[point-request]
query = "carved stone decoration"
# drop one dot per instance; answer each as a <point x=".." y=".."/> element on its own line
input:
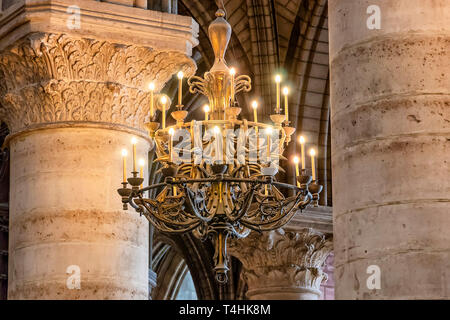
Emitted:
<point x="283" y="264"/>
<point x="50" y="78"/>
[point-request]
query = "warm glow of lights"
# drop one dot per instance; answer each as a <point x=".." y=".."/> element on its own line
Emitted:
<point x="151" y="86"/>
<point x="124" y="152"/>
<point x="254" y="104"/>
<point x="232" y="71"/>
<point x="134" y="140"/>
<point x="206" y="108"/>
<point x="269" y="130"/>
<point x="171" y="131"/>
<point x="277" y="78"/>
<point x="216" y="129"/>
<point x="296" y="160"/>
<point x="312" y="152"/>
<point x="141" y="162"/>
<point x="285" y="91"/>
<point x="301" y="139"/>
<point x="163" y="99"/>
<point x="180" y="75"/>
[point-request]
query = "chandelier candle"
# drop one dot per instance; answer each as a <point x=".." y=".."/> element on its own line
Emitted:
<point x="312" y="153"/>
<point x="278" y="81"/>
<point x="286" y="109"/>
<point x="180" y="76"/>
<point x="206" y="109"/>
<point x="141" y="170"/>
<point x="134" y="142"/>
<point x="255" y="111"/>
<point x="232" y="74"/>
<point x="269" y="136"/>
<point x="302" y="146"/>
<point x="124" y="157"/>
<point x="151" y="86"/>
<point x="297" y="171"/>
<point x="171" y="133"/>
<point x="163" y="102"/>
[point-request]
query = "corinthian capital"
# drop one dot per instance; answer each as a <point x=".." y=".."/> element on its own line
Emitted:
<point x="48" y="78"/>
<point x="283" y="261"/>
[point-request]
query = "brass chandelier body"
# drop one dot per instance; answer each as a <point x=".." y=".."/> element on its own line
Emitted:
<point x="220" y="199"/>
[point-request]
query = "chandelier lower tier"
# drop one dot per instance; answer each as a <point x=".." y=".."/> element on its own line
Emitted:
<point x="219" y="182"/>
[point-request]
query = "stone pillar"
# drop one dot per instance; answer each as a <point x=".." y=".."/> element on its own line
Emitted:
<point x="283" y="265"/>
<point x="72" y="102"/>
<point x="390" y="99"/>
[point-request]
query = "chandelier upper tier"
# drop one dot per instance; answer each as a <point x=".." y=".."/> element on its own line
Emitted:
<point x="219" y="179"/>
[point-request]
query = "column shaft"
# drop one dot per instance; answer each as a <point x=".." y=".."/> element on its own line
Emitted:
<point x="390" y="98"/>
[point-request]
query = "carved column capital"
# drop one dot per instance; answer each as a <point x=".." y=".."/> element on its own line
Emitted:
<point x="48" y="79"/>
<point x="283" y="264"/>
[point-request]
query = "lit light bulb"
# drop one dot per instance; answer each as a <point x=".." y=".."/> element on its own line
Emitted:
<point x="124" y="152"/>
<point x="141" y="162"/>
<point x="180" y="75"/>
<point x="285" y="91"/>
<point x="163" y="99"/>
<point x="255" y="104"/>
<point x="296" y="160"/>
<point x="301" y="139"/>
<point x="277" y="78"/>
<point x="134" y="140"/>
<point x="206" y="108"/>
<point x="151" y="86"/>
<point x="232" y="71"/>
<point x="312" y="152"/>
<point x="269" y="130"/>
<point x="171" y="131"/>
<point x="216" y="130"/>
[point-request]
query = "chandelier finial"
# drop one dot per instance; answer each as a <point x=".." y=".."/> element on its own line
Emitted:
<point x="219" y="35"/>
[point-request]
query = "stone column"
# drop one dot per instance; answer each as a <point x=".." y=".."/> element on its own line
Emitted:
<point x="72" y="102"/>
<point x="390" y="99"/>
<point x="283" y="265"/>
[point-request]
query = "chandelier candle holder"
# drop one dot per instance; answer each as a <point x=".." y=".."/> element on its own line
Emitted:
<point x="220" y="182"/>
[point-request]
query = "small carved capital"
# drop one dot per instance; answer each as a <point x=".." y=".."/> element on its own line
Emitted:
<point x="283" y="259"/>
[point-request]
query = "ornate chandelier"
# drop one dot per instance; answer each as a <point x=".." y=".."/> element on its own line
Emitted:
<point x="219" y="181"/>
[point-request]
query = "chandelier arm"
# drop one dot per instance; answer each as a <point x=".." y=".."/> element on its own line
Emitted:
<point x="298" y="204"/>
<point x="246" y="206"/>
<point x="194" y="209"/>
<point x="160" y="216"/>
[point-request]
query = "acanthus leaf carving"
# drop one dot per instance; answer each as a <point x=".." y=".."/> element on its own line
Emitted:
<point x="48" y="78"/>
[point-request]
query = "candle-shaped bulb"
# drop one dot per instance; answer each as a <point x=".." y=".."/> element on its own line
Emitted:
<point x="255" y="104"/>
<point x="151" y="86"/>
<point x="124" y="156"/>
<point x="206" y="110"/>
<point x="216" y="130"/>
<point x="134" y="142"/>
<point x="296" y="160"/>
<point x="301" y="139"/>
<point x="312" y="153"/>
<point x="297" y="171"/>
<point x="180" y="75"/>
<point x="269" y="131"/>
<point x="285" y="91"/>
<point x="233" y="71"/>
<point x="277" y="78"/>
<point x="164" y="100"/>
<point x="171" y="131"/>
<point x="141" y="162"/>
<point x="124" y="152"/>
